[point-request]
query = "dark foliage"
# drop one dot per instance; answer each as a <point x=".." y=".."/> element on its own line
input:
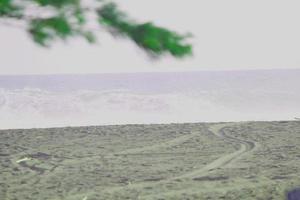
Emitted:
<point x="68" y="18"/>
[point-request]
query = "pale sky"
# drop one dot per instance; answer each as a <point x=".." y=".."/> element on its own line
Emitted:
<point x="228" y="35"/>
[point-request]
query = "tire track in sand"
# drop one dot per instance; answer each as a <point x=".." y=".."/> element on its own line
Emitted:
<point x="218" y="130"/>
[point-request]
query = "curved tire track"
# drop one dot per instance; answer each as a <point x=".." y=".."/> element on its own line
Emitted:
<point x="218" y="130"/>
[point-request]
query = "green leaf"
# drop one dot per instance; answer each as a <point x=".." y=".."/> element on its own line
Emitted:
<point x="79" y="15"/>
<point x="57" y="3"/>
<point x="90" y="37"/>
<point x="45" y="30"/>
<point x="9" y="9"/>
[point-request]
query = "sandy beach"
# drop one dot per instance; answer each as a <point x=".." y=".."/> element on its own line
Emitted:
<point x="245" y="160"/>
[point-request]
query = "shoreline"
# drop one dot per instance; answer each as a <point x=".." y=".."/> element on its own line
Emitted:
<point x="147" y="124"/>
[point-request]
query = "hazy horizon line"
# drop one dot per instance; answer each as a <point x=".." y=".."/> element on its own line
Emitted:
<point x="152" y="72"/>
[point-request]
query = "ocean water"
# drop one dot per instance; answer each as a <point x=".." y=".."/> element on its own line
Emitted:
<point x="170" y="97"/>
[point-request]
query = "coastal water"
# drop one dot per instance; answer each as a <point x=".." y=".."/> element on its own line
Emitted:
<point x="169" y="97"/>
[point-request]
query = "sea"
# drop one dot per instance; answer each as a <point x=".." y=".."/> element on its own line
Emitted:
<point x="40" y="101"/>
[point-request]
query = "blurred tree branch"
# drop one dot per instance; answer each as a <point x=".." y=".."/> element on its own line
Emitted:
<point x="49" y="20"/>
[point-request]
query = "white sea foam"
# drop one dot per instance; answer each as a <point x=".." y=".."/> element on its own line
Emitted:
<point x="77" y="100"/>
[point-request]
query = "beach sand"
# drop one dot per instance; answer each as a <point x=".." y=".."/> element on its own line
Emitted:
<point x="242" y="160"/>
